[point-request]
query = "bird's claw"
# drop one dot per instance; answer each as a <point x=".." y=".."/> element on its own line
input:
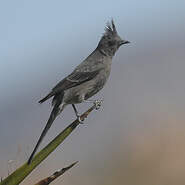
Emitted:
<point x="98" y="104"/>
<point x="79" y="119"/>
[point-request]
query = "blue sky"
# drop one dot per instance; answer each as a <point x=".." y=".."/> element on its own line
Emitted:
<point x="42" y="41"/>
<point x="31" y="29"/>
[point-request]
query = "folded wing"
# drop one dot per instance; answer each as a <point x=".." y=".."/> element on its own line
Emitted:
<point x="74" y="79"/>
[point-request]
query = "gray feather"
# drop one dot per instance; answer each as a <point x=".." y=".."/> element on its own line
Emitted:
<point x="87" y="79"/>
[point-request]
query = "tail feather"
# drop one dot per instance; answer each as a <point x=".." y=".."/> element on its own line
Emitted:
<point x="52" y="117"/>
<point x="46" y="98"/>
<point x="56" y="110"/>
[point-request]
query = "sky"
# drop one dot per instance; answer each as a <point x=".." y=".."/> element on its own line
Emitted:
<point x="42" y="42"/>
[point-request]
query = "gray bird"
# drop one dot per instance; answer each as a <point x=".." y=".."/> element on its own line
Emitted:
<point x="86" y="80"/>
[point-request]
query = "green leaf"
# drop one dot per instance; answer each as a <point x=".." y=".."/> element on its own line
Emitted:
<point x="22" y="172"/>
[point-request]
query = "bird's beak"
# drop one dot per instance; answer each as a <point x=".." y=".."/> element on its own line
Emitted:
<point x="124" y="42"/>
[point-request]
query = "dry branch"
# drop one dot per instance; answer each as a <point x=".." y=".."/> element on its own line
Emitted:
<point x="22" y="172"/>
<point x="55" y="175"/>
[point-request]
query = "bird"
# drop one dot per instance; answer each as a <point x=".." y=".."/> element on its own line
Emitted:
<point x="87" y="79"/>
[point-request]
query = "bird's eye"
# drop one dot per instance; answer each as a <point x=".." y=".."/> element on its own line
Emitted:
<point x="111" y="43"/>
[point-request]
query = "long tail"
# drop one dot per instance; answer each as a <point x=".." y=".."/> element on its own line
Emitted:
<point x="52" y="117"/>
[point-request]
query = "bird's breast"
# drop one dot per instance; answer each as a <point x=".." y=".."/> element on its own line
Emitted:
<point x="90" y="88"/>
<point x="98" y="83"/>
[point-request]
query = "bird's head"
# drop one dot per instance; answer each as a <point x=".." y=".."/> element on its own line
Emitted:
<point x="111" y="41"/>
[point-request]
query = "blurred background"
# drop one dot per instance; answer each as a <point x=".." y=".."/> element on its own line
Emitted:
<point x="138" y="135"/>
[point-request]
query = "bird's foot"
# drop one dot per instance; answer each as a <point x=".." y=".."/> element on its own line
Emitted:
<point x="98" y="104"/>
<point x="79" y="119"/>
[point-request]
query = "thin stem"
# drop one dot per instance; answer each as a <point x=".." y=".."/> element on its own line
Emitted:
<point x="55" y="175"/>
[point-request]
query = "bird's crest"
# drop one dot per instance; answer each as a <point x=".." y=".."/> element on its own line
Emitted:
<point x="110" y="29"/>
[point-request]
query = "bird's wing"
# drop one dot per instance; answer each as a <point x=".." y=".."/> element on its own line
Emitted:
<point x="74" y="79"/>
